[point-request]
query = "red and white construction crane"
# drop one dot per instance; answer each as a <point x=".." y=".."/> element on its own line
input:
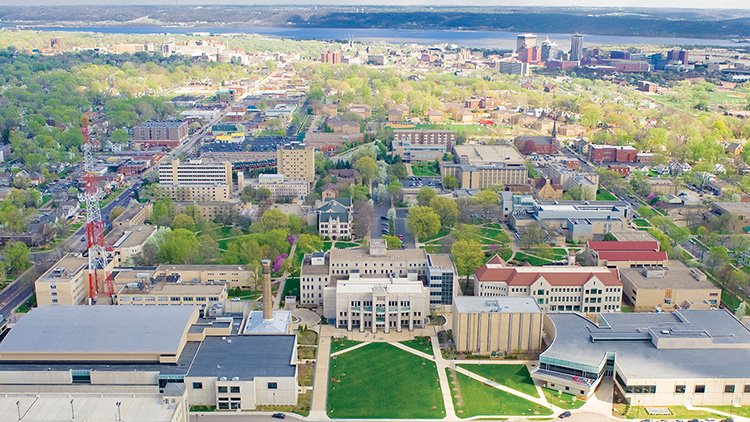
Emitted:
<point x="99" y="277"/>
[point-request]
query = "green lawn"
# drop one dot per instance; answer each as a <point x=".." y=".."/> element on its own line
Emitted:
<point x="470" y="130"/>
<point x="739" y="411"/>
<point x="441" y="233"/>
<point x="480" y="399"/>
<point x="339" y="344"/>
<point x="382" y="381"/>
<point x="245" y="294"/>
<point x="641" y="222"/>
<point x="516" y="377"/>
<point x="730" y="300"/>
<point x="421" y="344"/>
<point x="344" y="245"/>
<point x="327" y="245"/>
<point x="562" y="400"/>
<point x="678" y="412"/>
<point x="534" y="261"/>
<point x="424" y="168"/>
<point x="605" y="195"/>
<point x="432" y="248"/>
<point x="291" y="287"/>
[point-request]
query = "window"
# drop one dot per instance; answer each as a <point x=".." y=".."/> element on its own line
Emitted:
<point x="729" y="388"/>
<point x="272" y="386"/>
<point x="747" y="388"/>
<point x="223" y="390"/>
<point x="197" y="386"/>
<point x="700" y="389"/>
<point x="235" y="389"/>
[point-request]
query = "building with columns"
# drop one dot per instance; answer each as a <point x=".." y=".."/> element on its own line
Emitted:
<point x="377" y="304"/>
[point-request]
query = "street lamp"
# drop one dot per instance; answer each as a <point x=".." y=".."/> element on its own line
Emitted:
<point x="72" y="411"/>
<point x="119" y="416"/>
<point x="18" y="406"/>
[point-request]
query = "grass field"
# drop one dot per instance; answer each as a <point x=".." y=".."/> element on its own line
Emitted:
<point x="339" y="344"/>
<point x="516" y="377"/>
<point x="246" y="294"/>
<point x="641" y="222"/>
<point x="738" y="411"/>
<point x="421" y="344"/>
<point x="469" y="130"/>
<point x="441" y="233"/>
<point x="534" y="261"/>
<point x="344" y="245"/>
<point x="678" y="412"/>
<point x="291" y="287"/>
<point x="424" y="168"/>
<point x="477" y="399"/>
<point x="605" y="195"/>
<point x="381" y="381"/>
<point x="562" y="400"/>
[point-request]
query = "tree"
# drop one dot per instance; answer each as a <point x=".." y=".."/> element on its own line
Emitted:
<point x="609" y="237"/>
<point x="16" y="257"/>
<point x="119" y="136"/>
<point x="399" y="171"/>
<point x="450" y="182"/>
<point x="367" y="167"/>
<point x="183" y="221"/>
<point x="163" y="212"/>
<point x="261" y="194"/>
<point x="116" y="212"/>
<point x="645" y="212"/>
<point x="307" y="243"/>
<point x="207" y="252"/>
<point x="464" y="232"/>
<point x="717" y="257"/>
<point x="362" y="215"/>
<point x="422" y="222"/>
<point x="446" y="209"/>
<point x="178" y="246"/>
<point x="148" y="257"/>
<point x="535" y="234"/>
<point x="275" y="219"/>
<point x="487" y="197"/>
<point x="468" y="256"/>
<point x="425" y="195"/>
<point x="394" y="189"/>
<point x="393" y="242"/>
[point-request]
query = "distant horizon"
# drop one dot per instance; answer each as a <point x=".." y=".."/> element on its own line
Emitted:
<point x="619" y="4"/>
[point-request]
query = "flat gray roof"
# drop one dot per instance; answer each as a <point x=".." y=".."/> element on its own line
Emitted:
<point x="245" y="357"/>
<point x="99" y="329"/>
<point x="628" y="337"/>
<point x="279" y="324"/>
<point x="676" y="276"/>
<point x="474" y="304"/>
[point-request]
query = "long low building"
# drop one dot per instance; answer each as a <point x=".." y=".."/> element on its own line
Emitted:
<point x="165" y="351"/>
<point x="686" y="357"/>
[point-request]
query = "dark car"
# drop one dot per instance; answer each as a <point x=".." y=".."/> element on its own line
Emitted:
<point x="278" y="416"/>
<point x="564" y="415"/>
<point x="382" y="217"/>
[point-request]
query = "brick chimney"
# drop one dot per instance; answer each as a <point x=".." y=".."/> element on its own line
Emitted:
<point x="267" y="298"/>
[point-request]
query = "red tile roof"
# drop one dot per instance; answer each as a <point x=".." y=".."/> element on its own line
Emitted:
<point x="613" y="256"/>
<point x="496" y="260"/>
<point x="555" y="275"/>
<point x="624" y="246"/>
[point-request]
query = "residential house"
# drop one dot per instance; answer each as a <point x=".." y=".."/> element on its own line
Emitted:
<point x="398" y="113"/>
<point x="339" y="125"/>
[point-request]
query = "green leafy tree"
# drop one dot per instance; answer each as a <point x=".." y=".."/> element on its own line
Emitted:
<point x="275" y="219"/>
<point x="163" y="212"/>
<point x="423" y="222"/>
<point x="16" y="257"/>
<point x="425" y="195"/>
<point x="178" y="247"/>
<point x="450" y="182"/>
<point x="119" y="136"/>
<point x="446" y="209"/>
<point x="468" y="256"/>
<point x="183" y="221"/>
<point x="393" y="242"/>
<point x="116" y="212"/>
<point x="309" y="243"/>
<point x="367" y="167"/>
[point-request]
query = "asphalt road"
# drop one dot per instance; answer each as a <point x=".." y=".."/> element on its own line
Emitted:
<point x="400" y="225"/>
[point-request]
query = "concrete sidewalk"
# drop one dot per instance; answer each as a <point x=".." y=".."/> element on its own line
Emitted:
<point x="318" y="406"/>
<point x="445" y="386"/>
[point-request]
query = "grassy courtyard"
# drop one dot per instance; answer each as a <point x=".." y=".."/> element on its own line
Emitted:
<point x="472" y="398"/>
<point x="339" y="344"/>
<point x="516" y="377"/>
<point x="562" y="400"/>
<point x="421" y="344"/>
<point x="382" y="381"/>
<point x="678" y="412"/>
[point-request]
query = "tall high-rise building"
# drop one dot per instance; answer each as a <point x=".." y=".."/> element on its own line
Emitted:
<point x="525" y="41"/>
<point x="195" y="180"/>
<point x="576" y="47"/>
<point x="550" y="51"/>
<point x="296" y="162"/>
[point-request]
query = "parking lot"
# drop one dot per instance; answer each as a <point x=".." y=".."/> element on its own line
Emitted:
<point x="259" y="144"/>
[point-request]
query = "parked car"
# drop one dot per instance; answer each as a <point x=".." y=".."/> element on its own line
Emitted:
<point x="278" y="416"/>
<point x="564" y="415"/>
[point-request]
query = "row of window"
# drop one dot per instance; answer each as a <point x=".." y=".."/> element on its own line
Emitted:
<point x="170" y="299"/>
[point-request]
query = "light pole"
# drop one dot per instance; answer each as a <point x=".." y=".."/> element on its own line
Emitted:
<point x="72" y="410"/>
<point x="18" y="406"/>
<point x="119" y="416"/>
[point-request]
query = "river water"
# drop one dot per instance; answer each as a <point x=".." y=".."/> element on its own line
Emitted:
<point x="472" y="39"/>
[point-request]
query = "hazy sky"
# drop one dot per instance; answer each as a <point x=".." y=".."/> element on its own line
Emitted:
<point x="722" y="4"/>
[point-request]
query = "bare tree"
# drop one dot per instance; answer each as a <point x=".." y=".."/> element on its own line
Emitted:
<point x="363" y="214"/>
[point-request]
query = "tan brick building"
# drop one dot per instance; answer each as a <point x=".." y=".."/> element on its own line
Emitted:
<point x="196" y="180"/>
<point x="296" y="162"/>
<point x="497" y="325"/>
